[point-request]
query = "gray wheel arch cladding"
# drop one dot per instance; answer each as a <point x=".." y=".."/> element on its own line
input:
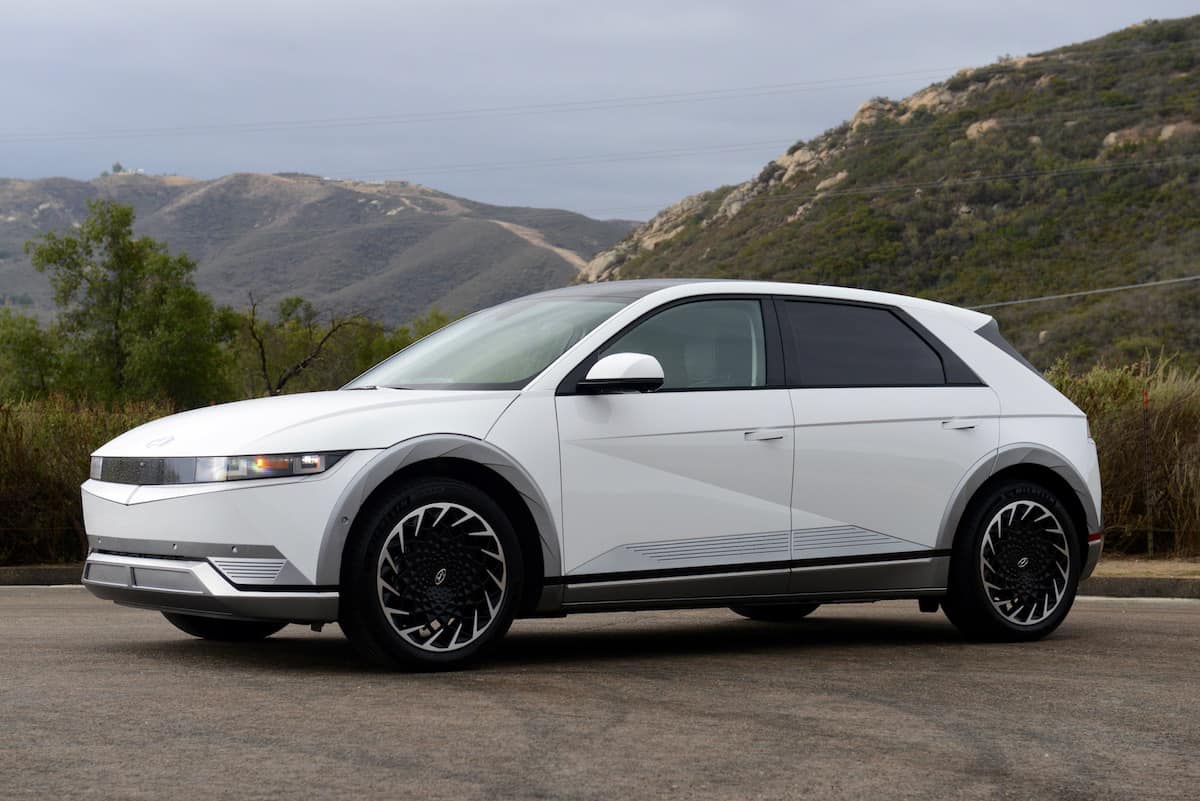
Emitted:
<point x="421" y="449"/>
<point x="1022" y="453"/>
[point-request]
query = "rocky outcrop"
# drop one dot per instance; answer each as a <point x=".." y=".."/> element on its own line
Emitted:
<point x="832" y="181"/>
<point x="1127" y="136"/>
<point x="1137" y="134"/>
<point x="978" y="129"/>
<point x="1178" y="129"/>
<point x="872" y="112"/>
<point x="663" y="226"/>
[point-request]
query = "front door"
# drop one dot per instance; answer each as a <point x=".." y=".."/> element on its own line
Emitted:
<point x="674" y="490"/>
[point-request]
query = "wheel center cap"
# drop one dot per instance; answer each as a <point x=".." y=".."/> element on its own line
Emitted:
<point x="1023" y="562"/>
<point x="440" y="577"/>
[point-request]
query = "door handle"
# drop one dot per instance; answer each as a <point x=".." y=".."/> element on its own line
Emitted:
<point x="763" y="435"/>
<point x="958" y="425"/>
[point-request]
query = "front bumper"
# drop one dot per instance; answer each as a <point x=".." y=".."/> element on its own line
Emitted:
<point x="196" y="587"/>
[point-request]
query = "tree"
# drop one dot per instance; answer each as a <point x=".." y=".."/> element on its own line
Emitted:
<point x="293" y="343"/>
<point x="304" y="349"/>
<point x="131" y="321"/>
<point x="28" y="357"/>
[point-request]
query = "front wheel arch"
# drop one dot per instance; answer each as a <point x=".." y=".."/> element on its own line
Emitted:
<point x="492" y="483"/>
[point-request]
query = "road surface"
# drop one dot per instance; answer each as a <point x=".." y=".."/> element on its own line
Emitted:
<point x="869" y="701"/>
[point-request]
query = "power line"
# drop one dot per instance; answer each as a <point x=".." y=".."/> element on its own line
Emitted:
<point x="943" y="184"/>
<point x="600" y="104"/>
<point x="908" y="132"/>
<point x="1083" y="293"/>
<point x="809" y="195"/>
<point x="951" y="183"/>
<point x="633" y="101"/>
<point x="570" y="161"/>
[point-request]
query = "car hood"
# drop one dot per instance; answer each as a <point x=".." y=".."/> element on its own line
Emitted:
<point x="342" y="420"/>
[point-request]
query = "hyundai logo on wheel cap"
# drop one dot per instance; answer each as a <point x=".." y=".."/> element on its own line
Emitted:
<point x="439" y="577"/>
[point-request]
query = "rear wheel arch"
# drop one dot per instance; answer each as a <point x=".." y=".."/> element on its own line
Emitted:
<point x="1043" y="476"/>
<point x="1027" y="462"/>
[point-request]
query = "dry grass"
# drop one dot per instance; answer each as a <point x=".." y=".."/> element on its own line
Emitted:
<point x="1149" y="455"/>
<point x="1132" y="567"/>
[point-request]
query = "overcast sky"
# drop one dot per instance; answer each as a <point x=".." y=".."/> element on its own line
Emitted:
<point x="528" y="102"/>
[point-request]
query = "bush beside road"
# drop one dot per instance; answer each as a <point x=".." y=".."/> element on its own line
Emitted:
<point x="1145" y="419"/>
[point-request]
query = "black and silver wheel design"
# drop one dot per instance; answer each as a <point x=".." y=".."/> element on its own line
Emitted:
<point x="1015" y="564"/>
<point x="431" y="575"/>
<point x="442" y="577"/>
<point x="1025" y="562"/>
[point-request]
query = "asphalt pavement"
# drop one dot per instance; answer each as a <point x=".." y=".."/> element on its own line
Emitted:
<point x="873" y="701"/>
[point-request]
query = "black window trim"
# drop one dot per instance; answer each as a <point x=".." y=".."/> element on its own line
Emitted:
<point x="772" y="343"/>
<point x="952" y="363"/>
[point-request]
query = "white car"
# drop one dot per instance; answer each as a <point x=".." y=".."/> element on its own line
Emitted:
<point x="631" y="445"/>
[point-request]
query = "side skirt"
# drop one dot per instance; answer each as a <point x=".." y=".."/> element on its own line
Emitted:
<point x="915" y="575"/>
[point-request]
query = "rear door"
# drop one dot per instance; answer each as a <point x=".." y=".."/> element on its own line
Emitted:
<point x="888" y="422"/>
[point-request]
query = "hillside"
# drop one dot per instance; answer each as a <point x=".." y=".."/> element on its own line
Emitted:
<point x="391" y="250"/>
<point x="1072" y="169"/>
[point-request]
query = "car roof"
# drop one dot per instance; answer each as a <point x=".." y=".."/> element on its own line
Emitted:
<point x="618" y="290"/>
<point x="639" y="288"/>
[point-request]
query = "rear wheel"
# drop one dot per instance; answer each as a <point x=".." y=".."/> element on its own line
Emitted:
<point x="1015" y="566"/>
<point x="214" y="628"/>
<point x="777" y="613"/>
<point x="431" y="580"/>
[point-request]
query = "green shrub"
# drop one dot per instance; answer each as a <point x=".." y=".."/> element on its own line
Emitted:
<point x="44" y="450"/>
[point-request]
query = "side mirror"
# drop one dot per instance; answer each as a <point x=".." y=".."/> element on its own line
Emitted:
<point x="622" y="372"/>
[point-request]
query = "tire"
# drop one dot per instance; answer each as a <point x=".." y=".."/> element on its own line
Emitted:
<point x="213" y="628"/>
<point x="777" y="613"/>
<point x="1015" y="565"/>
<point x="437" y="556"/>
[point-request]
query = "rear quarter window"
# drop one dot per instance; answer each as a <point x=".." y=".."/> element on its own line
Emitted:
<point x="991" y="332"/>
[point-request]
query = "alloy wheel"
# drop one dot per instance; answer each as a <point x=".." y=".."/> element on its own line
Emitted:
<point x="442" y="577"/>
<point x="1025" y="562"/>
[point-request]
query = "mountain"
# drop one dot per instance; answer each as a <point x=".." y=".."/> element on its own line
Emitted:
<point x="1062" y="171"/>
<point x="391" y="250"/>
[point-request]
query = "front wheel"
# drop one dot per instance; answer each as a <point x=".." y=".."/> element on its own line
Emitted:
<point x="215" y="628"/>
<point x="776" y="613"/>
<point x="432" y="577"/>
<point x="1015" y="565"/>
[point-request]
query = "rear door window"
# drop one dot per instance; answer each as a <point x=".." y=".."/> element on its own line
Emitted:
<point x="844" y="345"/>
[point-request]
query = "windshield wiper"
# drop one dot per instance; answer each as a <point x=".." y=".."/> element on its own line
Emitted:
<point x="381" y="386"/>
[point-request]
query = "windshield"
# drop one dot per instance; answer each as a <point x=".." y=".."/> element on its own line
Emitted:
<point x="504" y="347"/>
